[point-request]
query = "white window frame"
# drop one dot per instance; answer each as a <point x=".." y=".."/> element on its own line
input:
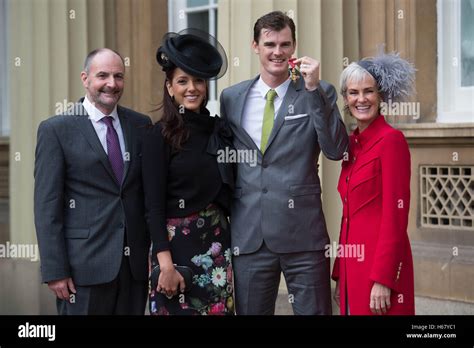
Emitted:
<point x="178" y="20"/>
<point x="455" y="103"/>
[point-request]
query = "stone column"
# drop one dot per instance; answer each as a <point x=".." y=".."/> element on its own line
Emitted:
<point x="48" y="40"/>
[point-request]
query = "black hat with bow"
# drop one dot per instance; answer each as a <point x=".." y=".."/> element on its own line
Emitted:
<point x="195" y="52"/>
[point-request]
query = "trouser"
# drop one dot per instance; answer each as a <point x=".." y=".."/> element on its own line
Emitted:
<point x="122" y="296"/>
<point x="257" y="279"/>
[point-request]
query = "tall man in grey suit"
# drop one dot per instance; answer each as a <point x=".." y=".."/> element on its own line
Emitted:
<point x="277" y="220"/>
<point x="89" y="210"/>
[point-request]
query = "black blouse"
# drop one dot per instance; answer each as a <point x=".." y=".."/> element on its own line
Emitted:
<point x="180" y="183"/>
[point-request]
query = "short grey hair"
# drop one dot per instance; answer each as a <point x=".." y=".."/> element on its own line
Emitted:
<point x="355" y="73"/>
<point x="91" y="55"/>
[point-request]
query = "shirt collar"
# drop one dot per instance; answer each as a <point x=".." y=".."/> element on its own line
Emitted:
<point x="371" y="133"/>
<point x="263" y="88"/>
<point x="95" y="114"/>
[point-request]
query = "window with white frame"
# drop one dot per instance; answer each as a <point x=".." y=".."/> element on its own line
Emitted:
<point x="455" y="61"/>
<point x="199" y="14"/>
<point x="4" y="115"/>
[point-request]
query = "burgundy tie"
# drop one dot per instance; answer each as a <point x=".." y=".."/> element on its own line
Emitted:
<point x="113" y="149"/>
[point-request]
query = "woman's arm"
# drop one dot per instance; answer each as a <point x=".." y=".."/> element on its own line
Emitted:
<point x="155" y="159"/>
<point x="390" y="249"/>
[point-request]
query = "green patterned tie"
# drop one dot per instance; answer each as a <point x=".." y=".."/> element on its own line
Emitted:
<point x="268" y="118"/>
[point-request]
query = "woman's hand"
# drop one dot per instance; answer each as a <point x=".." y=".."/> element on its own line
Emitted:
<point x="337" y="295"/>
<point x="379" y="299"/>
<point x="169" y="281"/>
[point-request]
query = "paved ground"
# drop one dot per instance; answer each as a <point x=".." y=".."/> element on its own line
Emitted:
<point x="423" y="305"/>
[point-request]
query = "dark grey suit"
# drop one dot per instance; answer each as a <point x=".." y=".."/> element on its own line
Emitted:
<point x="88" y="226"/>
<point x="277" y="205"/>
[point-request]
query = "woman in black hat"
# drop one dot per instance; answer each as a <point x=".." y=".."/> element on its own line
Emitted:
<point x="187" y="192"/>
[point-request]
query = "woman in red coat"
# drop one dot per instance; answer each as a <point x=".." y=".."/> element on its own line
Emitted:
<point x="375" y="190"/>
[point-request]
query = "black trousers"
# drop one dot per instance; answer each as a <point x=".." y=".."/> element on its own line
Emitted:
<point x="122" y="296"/>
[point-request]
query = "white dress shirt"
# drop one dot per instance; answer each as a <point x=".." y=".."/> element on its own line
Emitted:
<point x="252" y="118"/>
<point x="95" y="115"/>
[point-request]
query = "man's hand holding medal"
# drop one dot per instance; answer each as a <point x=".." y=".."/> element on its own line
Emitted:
<point x="309" y="69"/>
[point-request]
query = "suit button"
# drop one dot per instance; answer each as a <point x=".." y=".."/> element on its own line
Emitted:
<point x="345" y="199"/>
<point x="347" y="178"/>
<point x="356" y="140"/>
<point x="265" y="190"/>
<point x="345" y="220"/>
<point x="354" y="159"/>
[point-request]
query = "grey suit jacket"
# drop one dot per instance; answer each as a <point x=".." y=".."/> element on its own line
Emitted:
<point x="279" y="200"/>
<point x="82" y="215"/>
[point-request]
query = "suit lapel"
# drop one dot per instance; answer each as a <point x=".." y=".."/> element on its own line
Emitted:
<point x="239" y="108"/>
<point x="289" y="99"/>
<point x="85" y="126"/>
<point x="128" y="139"/>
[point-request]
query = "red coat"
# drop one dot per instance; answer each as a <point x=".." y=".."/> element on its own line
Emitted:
<point x="375" y="190"/>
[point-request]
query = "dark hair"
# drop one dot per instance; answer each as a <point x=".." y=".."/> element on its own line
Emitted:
<point x="91" y="55"/>
<point x="172" y="122"/>
<point x="275" y="20"/>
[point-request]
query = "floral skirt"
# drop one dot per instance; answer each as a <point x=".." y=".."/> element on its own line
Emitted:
<point x="200" y="241"/>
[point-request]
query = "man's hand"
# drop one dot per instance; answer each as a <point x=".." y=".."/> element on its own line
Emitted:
<point x="309" y="69"/>
<point x="62" y="287"/>
<point x="379" y="299"/>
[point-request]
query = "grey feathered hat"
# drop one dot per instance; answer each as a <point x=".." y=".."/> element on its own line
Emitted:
<point x="395" y="76"/>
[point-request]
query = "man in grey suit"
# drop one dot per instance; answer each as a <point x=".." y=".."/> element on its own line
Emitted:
<point x="89" y="207"/>
<point x="277" y="219"/>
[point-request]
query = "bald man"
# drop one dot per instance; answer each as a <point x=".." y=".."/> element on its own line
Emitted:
<point x="89" y="210"/>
